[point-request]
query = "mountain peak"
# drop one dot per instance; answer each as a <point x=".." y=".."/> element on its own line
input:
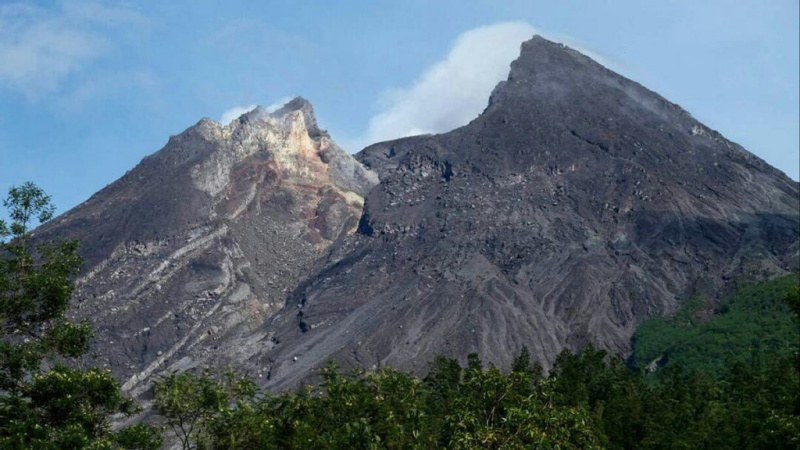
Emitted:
<point x="217" y="225"/>
<point x="539" y="43"/>
<point x="296" y="104"/>
<point x="305" y="107"/>
<point x="577" y="205"/>
<point x="555" y="73"/>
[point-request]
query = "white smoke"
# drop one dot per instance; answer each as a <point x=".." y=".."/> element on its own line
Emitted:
<point x="234" y="113"/>
<point x="456" y="89"/>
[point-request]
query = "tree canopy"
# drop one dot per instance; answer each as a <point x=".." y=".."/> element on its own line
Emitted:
<point x="47" y="400"/>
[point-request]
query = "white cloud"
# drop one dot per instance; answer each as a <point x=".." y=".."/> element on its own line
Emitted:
<point x="455" y="90"/>
<point x="234" y="113"/>
<point x="41" y="47"/>
<point x="278" y="105"/>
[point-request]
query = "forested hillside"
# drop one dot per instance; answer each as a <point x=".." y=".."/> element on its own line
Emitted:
<point x="753" y="323"/>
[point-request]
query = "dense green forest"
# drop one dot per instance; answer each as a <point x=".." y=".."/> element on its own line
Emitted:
<point x="728" y="380"/>
<point x="755" y="321"/>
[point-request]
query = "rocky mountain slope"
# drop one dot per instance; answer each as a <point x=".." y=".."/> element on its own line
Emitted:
<point x="578" y="204"/>
<point x="201" y="242"/>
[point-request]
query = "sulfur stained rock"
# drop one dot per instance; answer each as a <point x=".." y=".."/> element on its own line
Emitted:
<point x="199" y="243"/>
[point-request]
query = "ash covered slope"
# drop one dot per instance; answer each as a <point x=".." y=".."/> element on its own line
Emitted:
<point x="202" y="240"/>
<point x="576" y="205"/>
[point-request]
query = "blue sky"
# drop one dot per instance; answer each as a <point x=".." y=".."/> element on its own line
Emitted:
<point x="87" y="89"/>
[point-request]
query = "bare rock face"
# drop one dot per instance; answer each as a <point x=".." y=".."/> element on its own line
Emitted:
<point x="200" y="243"/>
<point x="578" y="204"/>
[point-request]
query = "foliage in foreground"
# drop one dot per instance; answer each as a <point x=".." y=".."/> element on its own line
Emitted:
<point x="452" y="407"/>
<point x="46" y="402"/>
<point x="589" y="400"/>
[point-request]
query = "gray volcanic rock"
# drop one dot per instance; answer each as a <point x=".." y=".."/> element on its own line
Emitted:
<point x="578" y="204"/>
<point x="200" y="243"/>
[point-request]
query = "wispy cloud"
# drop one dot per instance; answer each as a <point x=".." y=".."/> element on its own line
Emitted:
<point x="234" y="113"/>
<point x="41" y="47"/>
<point x="456" y="89"/>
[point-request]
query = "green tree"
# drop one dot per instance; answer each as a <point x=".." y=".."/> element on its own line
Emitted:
<point x="46" y="402"/>
<point x="453" y="407"/>
<point x="189" y="402"/>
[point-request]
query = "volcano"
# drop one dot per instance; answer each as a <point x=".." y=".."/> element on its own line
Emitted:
<point x="578" y="204"/>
